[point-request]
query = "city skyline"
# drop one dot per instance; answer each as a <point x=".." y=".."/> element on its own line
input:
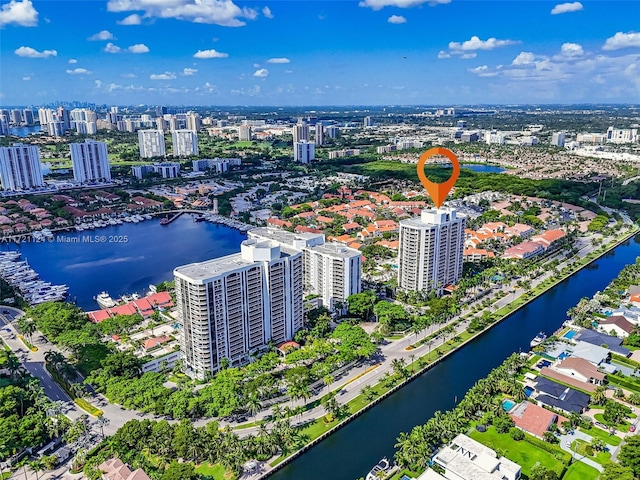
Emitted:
<point x="372" y="52"/>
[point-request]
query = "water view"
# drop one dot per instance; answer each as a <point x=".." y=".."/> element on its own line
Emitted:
<point x="126" y="258"/>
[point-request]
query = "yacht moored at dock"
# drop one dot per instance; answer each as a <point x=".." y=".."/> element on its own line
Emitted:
<point x="538" y="339"/>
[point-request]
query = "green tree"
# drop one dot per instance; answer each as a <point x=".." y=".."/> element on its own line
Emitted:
<point x="629" y="455"/>
<point x="361" y="304"/>
<point x="613" y="471"/>
<point x="180" y="471"/>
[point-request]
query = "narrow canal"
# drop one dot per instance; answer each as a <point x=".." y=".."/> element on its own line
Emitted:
<point x="352" y="451"/>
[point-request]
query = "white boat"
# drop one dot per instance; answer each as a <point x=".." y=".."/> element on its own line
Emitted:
<point x="148" y="216"/>
<point x="538" y="339"/>
<point x="382" y="466"/>
<point x="104" y="300"/>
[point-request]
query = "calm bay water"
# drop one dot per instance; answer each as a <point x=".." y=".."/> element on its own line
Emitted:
<point x="24" y="131"/>
<point x="148" y="255"/>
<point x="352" y="451"/>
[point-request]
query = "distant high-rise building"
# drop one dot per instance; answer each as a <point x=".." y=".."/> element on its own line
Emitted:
<point x="27" y="117"/>
<point x="332" y="131"/>
<point x="185" y="143"/>
<point x="174" y="123"/>
<point x="20" y="167"/>
<point x="161" y="124"/>
<point x="244" y="133"/>
<point x="45" y="116"/>
<point x="16" y="116"/>
<point x="304" y="152"/>
<point x="4" y="125"/>
<point x="557" y="139"/>
<point x="193" y="121"/>
<point x="90" y="161"/>
<point x="113" y="109"/>
<point x="300" y="132"/>
<point x="430" y="250"/>
<point x="63" y="116"/>
<point x="367" y="122"/>
<point x="56" y="128"/>
<point x="319" y="134"/>
<point x="622" y="135"/>
<point x="151" y="143"/>
<point x="233" y="306"/>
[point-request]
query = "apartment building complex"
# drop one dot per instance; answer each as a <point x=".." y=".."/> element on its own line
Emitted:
<point x="90" y="161"/>
<point x="233" y="306"/>
<point x="331" y="270"/>
<point x="20" y="167"/>
<point x="430" y="250"/>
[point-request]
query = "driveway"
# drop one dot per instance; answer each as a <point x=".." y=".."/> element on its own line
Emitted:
<point x="568" y="439"/>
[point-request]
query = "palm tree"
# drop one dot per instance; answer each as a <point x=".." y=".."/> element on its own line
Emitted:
<point x="598" y="397"/>
<point x="102" y="422"/>
<point x="14" y="366"/>
<point x="27" y="327"/>
<point x="328" y="379"/>
<point x="253" y="405"/>
<point x="36" y="467"/>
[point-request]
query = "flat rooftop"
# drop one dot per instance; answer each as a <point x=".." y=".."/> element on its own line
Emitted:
<point x="335" y="249"/>
<point x="288" y="238"/>
<point x="201" y="272"/>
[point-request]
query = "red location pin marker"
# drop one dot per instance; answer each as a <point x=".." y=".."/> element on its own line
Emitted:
<point x="438" y="191"/>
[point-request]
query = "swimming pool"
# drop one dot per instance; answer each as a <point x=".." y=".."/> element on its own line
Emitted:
<point x="570" y="334"/>
<point x="508" y="405"/>
<point x="528" y="391"/>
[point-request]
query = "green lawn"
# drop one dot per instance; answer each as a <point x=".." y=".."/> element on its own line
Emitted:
<point x="217" y="472"/>
<point x="580" y="471"/>
<point x="523" y="453"/>
<point x="583" y="449"/>
<point x="613" y="440"/>
<point x="623" y="427"/>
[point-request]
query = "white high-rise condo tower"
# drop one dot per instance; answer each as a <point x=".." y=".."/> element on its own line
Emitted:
<point x="185" y="143"/>
<point x="20" y="167"/>
<point x="304" y="152"/>
<point x="430" y="251"/>
<point x="90" y="161"/>
<point x="151" y="143"/>
<point x="233" y="306"/>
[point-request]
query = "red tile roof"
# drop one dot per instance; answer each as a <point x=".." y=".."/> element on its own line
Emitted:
<point x="154" y="342"/>
<point x="533" y="419"/>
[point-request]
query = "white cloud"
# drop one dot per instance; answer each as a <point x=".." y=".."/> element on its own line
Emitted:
<point x="524" y="58"/>
<point x="396" y="19"/>
<point x="72" y="61"/>
<point x="279" y="60"/>
<point x="111" y="48"/>
<point x="571" y="50"/>
<point x="210" y="54"/>
<point x="266" y="11"/>
<point x="474" y="43"/>
<point x="133" y="19"/>
<point x="218" y="12"/>
<point x="163" y="76"/>
<point x="261" y="73"/>
<point x="33" y="53"/>
<point x="128" y="75"/>
<point x="19" y="13"/>
<point x="379" y="4"/>
<point x="26" y="78"/>
<point x="98" y="83"/>
<point x="138" y="48"/>
<point x="622" y="40"/>
<point x="78" y="71"/>
<point x="468" y="56"/>
<point x="256" y="65"/>
<point x="566" y="8"/>
<point x="189" y="71"/>
<point x="443" y="54"/>
<point x="103" y="35"/>
<point x="288" y="71"/>
<point x="483" y="71"/>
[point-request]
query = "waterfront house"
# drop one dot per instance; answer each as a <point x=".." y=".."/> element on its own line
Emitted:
<point x="556" y="395"/>
<point x="467" y="459"/>
<point x="614" y="344"/>
<point x="581" y="369"/>
<point x="616" y="325"/>
<point x="534" y="419"/>
<point x="523" y="251"/>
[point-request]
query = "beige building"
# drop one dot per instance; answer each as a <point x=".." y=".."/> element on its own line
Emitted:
<point x="233" y="306"/>
<point x="431" y="250"/>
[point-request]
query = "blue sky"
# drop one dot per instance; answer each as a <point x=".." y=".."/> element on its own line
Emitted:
<point x="340" y="52"/>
